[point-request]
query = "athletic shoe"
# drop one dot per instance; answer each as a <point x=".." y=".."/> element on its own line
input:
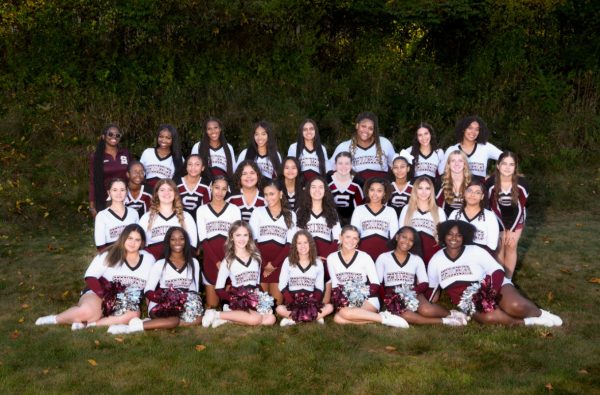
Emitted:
<point x="136" y="325"/>
<point x="393" y="320"/>
<point x="226" y="307"/>
<point x="459" y="314"/>
<point x="287" y="322"/>
<point x="77" y="326"/>
<point x="46" y="320"/>
<point x="208" y="318"/>
<point x="321" y="321"/>
<point x="552" y="317"/>
<point x="218" y="322"/>
<point x="118" y="329"/>
<point x="454" y="321"/>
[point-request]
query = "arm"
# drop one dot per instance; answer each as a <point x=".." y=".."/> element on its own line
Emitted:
<point x="493" y="230"/>
<point x="99" y="236"/>
<point x="221" y="280"/>
<point x="421" y="279"/>
<point x="153" y="280"/>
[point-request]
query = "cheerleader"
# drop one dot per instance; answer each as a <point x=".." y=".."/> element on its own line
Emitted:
<point x="214" y="220"/>
<point x="164" y="160"/>
<point x="242" y="267"/>
<point x="508" y="193"/>
<point x="193" y="187"/>
<point x="471" y="137"/>
<point x="474" y="281"/>
<point x="302" y="283"/>
<point x="214" y="150"/>
<point x="263" y="150"/>
<point x="139" y="194"/>
<point x="355" y="284"/>
<point x="457" y="176"/>
<point x="475" y="213"/>
<point x="309" y="151"/>
<point x="110" y="222"/>
<point x="291" y="180"/>
<point x="346" y="189"/>
<point x="246" y="196"/>
<point x="401" y="186"/>
<point x="376" y="222"/>
<point x="165" y="212"/>
<point x="372" y="154"/>
<point x="424" y="215"/>
<point x="172" y="288"/>
<point x="403" y="276"/>
<point x="429" y="159"/>
<point x="273" y="227"/>
<point x="123" y="268"/>
<point x="107" y="162"/>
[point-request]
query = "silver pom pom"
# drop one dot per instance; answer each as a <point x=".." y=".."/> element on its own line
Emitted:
<point x="356" y="292"/>
<point x="466" y="304"/>
<point x="192" y="307"/>
<point x="408" y="295"/>
<point x="128" y="300"/>
<point x="265" y="303"/>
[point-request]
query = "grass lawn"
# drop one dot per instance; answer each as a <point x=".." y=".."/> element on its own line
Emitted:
<point x="42" y="274"/>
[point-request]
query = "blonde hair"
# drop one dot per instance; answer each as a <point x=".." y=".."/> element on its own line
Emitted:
<point x="230" y="246"/>
<point x="432" y="207"/>
<point x="155" y="203"/>
<point x="447" y="185"/>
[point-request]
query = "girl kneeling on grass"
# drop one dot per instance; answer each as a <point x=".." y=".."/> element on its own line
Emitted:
<point x="301" y="282"/>
<point x="172" y="288"/>
<point x="115" y="280"/>
<point x="355" y="284"/>
<point x="247" y="305"/>
<point x="402" y="274"/>
<point x="475" y="282"/>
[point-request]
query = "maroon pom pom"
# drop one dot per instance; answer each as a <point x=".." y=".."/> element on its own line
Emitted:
<point x="487" y="298"/>
<point x="394" y="303"/>
<point x="169" y="302"/>
<point x="109" y="299"/>
<point x="305" y="307"/>
<point x="338" y="298"/>
<point x="243" y="298"/>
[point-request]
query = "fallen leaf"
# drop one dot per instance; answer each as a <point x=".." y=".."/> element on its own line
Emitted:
<point x="119" y="339"/>
<point x="45" y="371"/>
<point x="92" y="362"/>
<point x="594" y="280"/>
<point x="550" y="296"/>
<point x="546" y="334"/>
<point x="579" y="225"/>
<point x="549" y="387"/>
<point x="24" y="306"/>
<point x="15" y="335"/>
<point x="582" y="371"/>
<point x="65" y="294"/>
<point x="97" y="342"/>
<point x="200" y="347"/>
<point x="565" y="270"/>
<point x="390" y="348"/>
<point x="21" y="320"/>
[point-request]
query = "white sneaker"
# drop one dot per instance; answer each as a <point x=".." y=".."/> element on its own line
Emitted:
<point x="118" y="329"/>
<point x="46" y="320"/>
<point x="218" y="322"/>
<point x="226" y="307"/>
<point x="321" y="321"/>
<point x="135" y="325"/>
<point x="459" y="314"/>
<point x="454" y="321"/>
<point x="552" y="317"/>
<point x="208" y="318"/>
<point x="287" y="322"/>
<point x="541" y="321"/>
<point x="77" y="326"/>
<point x="393" y="320"/>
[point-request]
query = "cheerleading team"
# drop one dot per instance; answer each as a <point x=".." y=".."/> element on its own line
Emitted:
<point x="309" y="151"/>
<point x="273" y="227"/>
<point x="376" y="222"/>
<point x="291" y="180"/>
<point x="371" y="154"/>
<point x="401" y="186"/>
<point x="165" y="212"/>
<point x="472" y="139"/>
<point x="246" y="194"/>
<point x="302" y="283"/>
<point x="124" y="267"/>
<point x="346" y="188"/>
<point x="355" y="284"/>
<point x="424" y="215"/>
<point x="165" y="159"/>
<point x="454" y="181"/>
<point x="475" y="282"/>
<point x="404" y="279"/>
<point x="216" y="153"/>
<point x="108" y="161"/>
<point x="475" y="213"/>
<point x="241" y="266"/>
<point x="214" y="220"/>
<point x="172" y="288"/>
<point x="263" y="150"/>
<point x="428" y="158"/>
<point x="111" y="221"/>
<point x="508" y="193"/>
<point x="193" y="187"/>
<point x="139" y="194"/>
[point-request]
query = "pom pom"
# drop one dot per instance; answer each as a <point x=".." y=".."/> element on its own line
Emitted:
<point x="350" y="294"/>
<point x="243" y="298"/>
<point x="192" y="309"/>
<point x="305" y="307"/>
<point x="479" y="297"/>
<point x="119" y="298"/>
<point x="401" y="299"/>
<point x="265" y="303"/>
<point x="169" y="302"/>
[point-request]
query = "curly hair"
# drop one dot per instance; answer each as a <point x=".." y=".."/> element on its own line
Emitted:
<point x="305" y="205"/>
<point x="294" y="257"/>
<point x="155" y="202"/>
<point x="237" y="176"/>
<point x="463" y="124"/>
<point x="466" y="230"/>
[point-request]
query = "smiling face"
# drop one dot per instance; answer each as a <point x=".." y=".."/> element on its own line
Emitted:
<point x="364" y="131"/>
<point x="423" y="191"/>
<point x="177" y="242"/>
<point x="424" y="137"/>
<point x="317" y="190"/>
<point x="290" y="170"/>
<point x="194" y="166"/>
<point x="165" y="139"/>
<point x="166" y="194"/>
<point x="213" y="130"/>
<point x="457" y="163"/>
<point x="349" y="240"/>
<point x="507" y="167"/>
<point x="473" y="195"/>
<point x="261" y="137"/>
<point x="400" y="169"/>
<point x="136" y="175"/>
<point x="117" y="191"/>
<point x="471" y="132"/>
<point x="405" y="241"/>
<point x="343" y="165"/>
<point x="241" y="236"/>
<point x="376" y="192"/>
<point x="272" y="196"/>
<point x="249" y="177"/>
<point x="454" y="239"/>
<point x="219" y="190"/>
<point x="112" y="137"/>
<point x="308" y="131"/>
<point x="133" y="243"/>
<point x="303" y="246"/>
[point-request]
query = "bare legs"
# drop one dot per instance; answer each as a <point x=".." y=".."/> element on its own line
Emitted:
<point x="507" y="253"/>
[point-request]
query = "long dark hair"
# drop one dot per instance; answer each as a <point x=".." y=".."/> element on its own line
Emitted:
<point x="187" y="249"/>
<point x="204" y="150"/>
<point x="416" y="248"/>
<point x="305" y="206"/>
<point x="464" y="123"/>
<point x="317" y="144"/>
<point x="175" y="148"/>
<point x="514" y="191"/>
<point x="237" y="176"/>
<point x="294" y="257"/>
<point x="272" y="149"/>
<point x="415" y="149"/>
<point x="99" y="188"/>
<point x="298" y="182"/>
<point x="285" y="209"/>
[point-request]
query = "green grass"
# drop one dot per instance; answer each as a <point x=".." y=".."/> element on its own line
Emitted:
<point x="42" y="274"/>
